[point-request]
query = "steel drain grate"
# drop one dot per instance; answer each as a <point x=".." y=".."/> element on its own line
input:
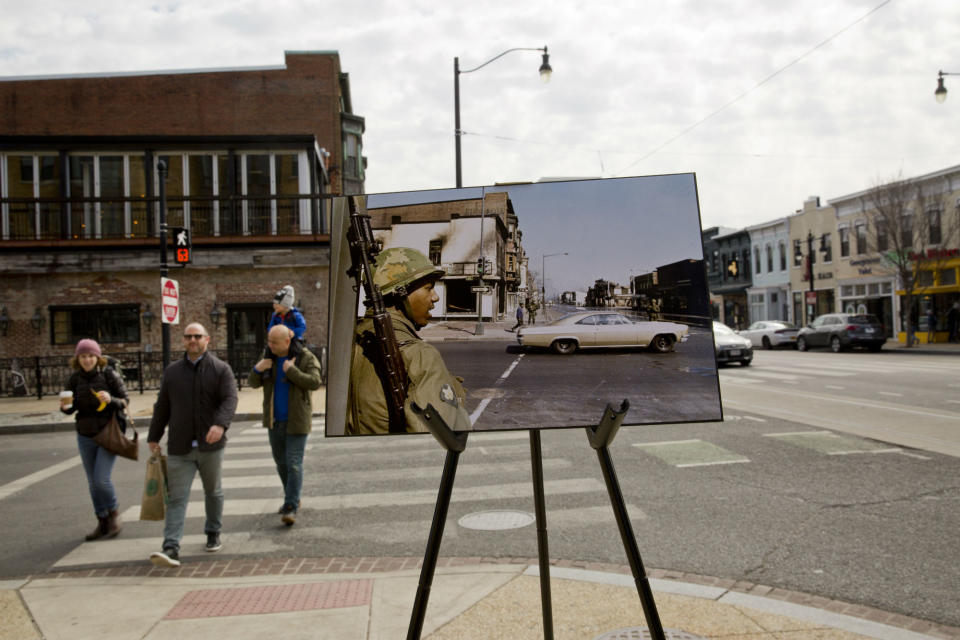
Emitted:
<point x="642" y="633"/>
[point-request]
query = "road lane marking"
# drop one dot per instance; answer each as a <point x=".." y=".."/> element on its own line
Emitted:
<point x="890" y="393"/>
<point x="690" y="453"/>
<point x="861" y="403"/>
<point x="486" y="401"/>
<point x="832" y="444"/>
<point x="20" y="484"/>
<point x="833" y="386"/>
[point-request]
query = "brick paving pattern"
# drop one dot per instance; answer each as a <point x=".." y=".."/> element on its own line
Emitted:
<point x="211" y="603"/>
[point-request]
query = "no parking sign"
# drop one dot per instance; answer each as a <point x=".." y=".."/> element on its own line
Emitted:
<point x="170" y="301"/>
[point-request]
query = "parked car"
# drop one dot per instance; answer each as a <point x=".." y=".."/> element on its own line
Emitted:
<point x="841" y="331"/>
<point x="602" y="329"/>
<point x="731" y="347"/>
<point x="771" y="333"/>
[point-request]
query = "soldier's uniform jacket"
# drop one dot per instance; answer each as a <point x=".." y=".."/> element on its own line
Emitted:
<point x="430" y="382"/>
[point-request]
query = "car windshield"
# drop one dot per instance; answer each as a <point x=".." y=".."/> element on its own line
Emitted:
<point x="782" y="325"/>
<point x="721" y="328"/>
<point x="863" y="320"/>
<point x="563" y="319"/>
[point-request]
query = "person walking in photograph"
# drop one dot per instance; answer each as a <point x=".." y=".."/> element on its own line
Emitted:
<point x="287" y="410"/>
<point x="197" y="400"/>
<point x="95" y="392"/>
<point x="519" y="318"/>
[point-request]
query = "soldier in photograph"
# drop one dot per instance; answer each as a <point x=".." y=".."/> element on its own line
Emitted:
<point x="405" y="278"/>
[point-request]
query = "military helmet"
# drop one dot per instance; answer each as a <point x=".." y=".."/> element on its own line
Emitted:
<point x="397" y="268"/>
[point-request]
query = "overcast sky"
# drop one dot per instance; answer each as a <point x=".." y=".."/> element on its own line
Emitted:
<point x="814" y="97"/>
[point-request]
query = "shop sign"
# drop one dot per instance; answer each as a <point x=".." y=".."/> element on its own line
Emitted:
<point x="935" y="254"/>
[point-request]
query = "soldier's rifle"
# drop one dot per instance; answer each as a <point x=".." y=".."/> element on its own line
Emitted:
<point x="386" y="351"/>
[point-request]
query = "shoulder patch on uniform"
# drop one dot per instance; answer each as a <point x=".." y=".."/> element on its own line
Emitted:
<point x="447" y="395"/>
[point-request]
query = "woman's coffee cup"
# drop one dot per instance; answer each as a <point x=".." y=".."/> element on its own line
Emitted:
<point x="66" y="399"/>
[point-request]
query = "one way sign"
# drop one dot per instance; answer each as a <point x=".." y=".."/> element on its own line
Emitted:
<point x="182" y="246"/>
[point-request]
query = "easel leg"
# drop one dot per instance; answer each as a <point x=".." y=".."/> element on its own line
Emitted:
<point x="600" y="438"/>
<point x="433" y="545"/>
<point x="543" y="552"/>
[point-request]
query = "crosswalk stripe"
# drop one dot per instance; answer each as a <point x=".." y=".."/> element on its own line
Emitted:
<point x="253" y="506"/>
<point x="494" y="469"/>
<point x="150" y="534"/>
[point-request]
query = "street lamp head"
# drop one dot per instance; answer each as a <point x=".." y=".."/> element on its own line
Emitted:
<point x="941" y="93"/>
<point x="545" y="69"/>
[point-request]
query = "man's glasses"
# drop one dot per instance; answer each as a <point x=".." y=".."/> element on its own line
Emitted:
<point x="193" y="336"/>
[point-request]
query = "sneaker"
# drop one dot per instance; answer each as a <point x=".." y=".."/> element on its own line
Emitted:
<point x="213" y="542"/>
<point x="289" y="515"/>
<point x="169" y="557"/>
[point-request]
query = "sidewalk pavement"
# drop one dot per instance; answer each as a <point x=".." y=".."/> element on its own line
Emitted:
<point x="372" y="598"/>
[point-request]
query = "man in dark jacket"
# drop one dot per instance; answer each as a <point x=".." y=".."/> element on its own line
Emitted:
<point x="197" y="399"/>
<point x="287" y="410"/>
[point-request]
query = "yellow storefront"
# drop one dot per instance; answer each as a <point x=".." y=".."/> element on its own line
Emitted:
<point x="937" y="289"/>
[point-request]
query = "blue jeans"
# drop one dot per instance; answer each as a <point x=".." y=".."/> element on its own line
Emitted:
<point x="180" y="473"/>
<point x="288" y="451"/>
<point x="98" y="465"/>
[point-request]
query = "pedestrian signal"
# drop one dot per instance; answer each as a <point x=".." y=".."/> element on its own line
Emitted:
<point x="182" y="245"/>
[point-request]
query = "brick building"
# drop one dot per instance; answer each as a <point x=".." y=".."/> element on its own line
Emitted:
<point x="253" y="156"/>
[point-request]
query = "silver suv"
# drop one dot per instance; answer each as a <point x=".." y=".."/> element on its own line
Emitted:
<point x="841" y="331"/>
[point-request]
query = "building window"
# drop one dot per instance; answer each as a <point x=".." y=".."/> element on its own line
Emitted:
<point x="826" y="245"/>
<point x="845" y="242"/>
<point x="797" y="252"/>
<point x="352" y="158"/>
<point x="906" y="231"/>
<point x="783" y="256"/>
<point x="435" y="248"/>
<point x="756" y="260"/>
<point x="746" y="263"/>
<point x="933" y="222"/>
<point x="105" y="324"/>
<point x="769" y="259"/>
<point x="861" y="239"/>
<point x="883" y="242"/>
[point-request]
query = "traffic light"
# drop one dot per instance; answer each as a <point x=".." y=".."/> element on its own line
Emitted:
<point x="480" y="266"/>
<point x="182" y="245"/>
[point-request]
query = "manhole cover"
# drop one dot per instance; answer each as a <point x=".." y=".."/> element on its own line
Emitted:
<point x="496" y="520"/>
<point x="638" y="633"/>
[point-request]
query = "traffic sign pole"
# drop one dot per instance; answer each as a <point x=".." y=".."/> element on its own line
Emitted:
<point x="164" y="271"/>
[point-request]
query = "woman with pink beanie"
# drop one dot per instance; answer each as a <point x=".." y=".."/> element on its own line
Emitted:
<point x="96" y="392"/>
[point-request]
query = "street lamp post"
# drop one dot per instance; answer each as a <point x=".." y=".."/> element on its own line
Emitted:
<point x="545" y="72"/>
<point x="543" y="274"/>
<point x="941" y="93"/>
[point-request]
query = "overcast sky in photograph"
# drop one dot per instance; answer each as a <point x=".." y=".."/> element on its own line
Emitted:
<point x="634" y="226"/>
<point x="768" y="103"/>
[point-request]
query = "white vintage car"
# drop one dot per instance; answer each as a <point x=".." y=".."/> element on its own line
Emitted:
<point x="602" y="329"/>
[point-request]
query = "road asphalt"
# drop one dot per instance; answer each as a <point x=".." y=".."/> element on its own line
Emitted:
<point x="371" y="597"/>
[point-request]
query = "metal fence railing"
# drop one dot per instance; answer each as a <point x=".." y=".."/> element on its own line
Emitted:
<point x="46" y="375"/>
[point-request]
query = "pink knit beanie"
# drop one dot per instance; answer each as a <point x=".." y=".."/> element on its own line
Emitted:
<point x="88" y="346"/>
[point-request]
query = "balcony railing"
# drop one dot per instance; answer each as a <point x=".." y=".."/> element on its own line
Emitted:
<point x="126" y="218"/>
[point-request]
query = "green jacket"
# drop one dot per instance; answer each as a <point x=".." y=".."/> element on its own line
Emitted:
<point x="304" y="378"/>
<point x="429" y="383"/>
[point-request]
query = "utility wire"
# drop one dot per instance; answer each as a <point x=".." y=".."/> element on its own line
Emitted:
<point x="757" y="86"/>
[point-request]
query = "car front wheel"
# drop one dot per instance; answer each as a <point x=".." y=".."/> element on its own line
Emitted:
<point x="766" y="343"/>
<point x="662" y="344"/>
<point x="801" y="344"/>
<point x="835" y="345"/>
<point x="564" y="347"/>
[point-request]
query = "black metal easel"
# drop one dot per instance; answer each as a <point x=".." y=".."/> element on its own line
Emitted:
<point x="600" y="438"/>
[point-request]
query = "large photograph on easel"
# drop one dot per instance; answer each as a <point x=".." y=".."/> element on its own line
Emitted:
<point x="520" y="306"/>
